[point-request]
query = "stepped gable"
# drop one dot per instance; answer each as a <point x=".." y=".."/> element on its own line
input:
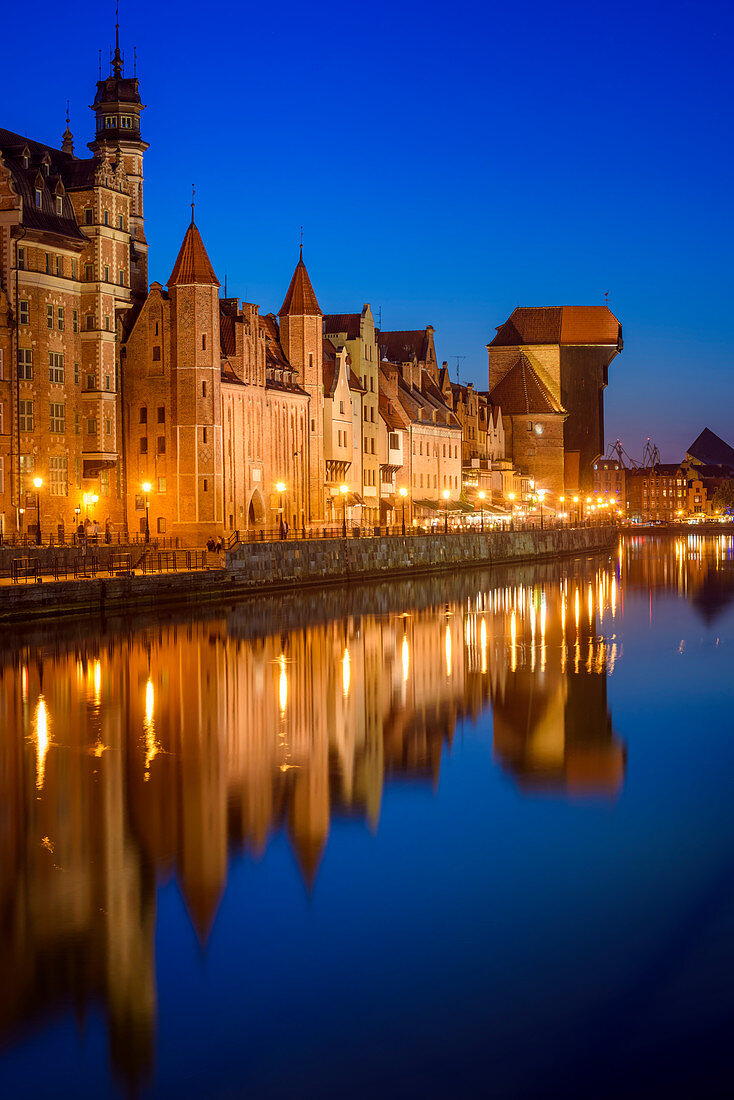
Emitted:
<point x="521" y="392"/>
<point x="300" y="299"/>
<point x="192" y="265"/>
<point x="710" y="450"/>
<point x="568" y="325"/>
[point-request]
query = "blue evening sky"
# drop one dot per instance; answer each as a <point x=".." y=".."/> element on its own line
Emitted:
<point x="448" y="161"/>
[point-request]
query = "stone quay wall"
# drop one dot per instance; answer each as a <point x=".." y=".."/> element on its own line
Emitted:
<point x="281" y="563"/>
<point x="255" y="569"/>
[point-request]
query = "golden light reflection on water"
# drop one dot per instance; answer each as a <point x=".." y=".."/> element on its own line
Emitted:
<point x="151" y="745"/>
<point x="42" y="741"/>
<point x="273" y="721"/>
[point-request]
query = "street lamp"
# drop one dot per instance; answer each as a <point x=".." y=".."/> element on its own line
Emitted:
<point x="446" y="496"/>
<point x="561" y="501"/>
<point x="280" y="488"/>
<point x="146" y="490"/>
<point x="403" y="492"/>
<point x="38" y="482"/>
<point x="511" y="498"/>
<point x="541" y="497"/>
<point x="344" y="489"/>
<point x="481" y="494"/>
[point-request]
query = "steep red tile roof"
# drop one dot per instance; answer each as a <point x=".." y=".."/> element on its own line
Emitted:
<point x="300" y="301"/>
<point x="559" y="325"/>
<point x="227" y="342"/>
<point x="521" y="392"/>
<point x="192" y="264"/>
<point x="336" y="324"/>
<point x="405" y="346"/>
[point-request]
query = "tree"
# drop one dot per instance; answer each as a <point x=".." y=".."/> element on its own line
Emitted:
<point x="723" y="498"/>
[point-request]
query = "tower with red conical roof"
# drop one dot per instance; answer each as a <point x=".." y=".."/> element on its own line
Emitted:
<point x="197" y="407"/>
<point x="302" y="341"/>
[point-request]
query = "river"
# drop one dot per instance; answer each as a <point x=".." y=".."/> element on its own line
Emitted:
<point x="426" y="838"/>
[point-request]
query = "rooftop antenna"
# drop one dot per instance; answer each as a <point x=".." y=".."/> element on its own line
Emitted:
<point x="100" y="64"/>
<point x="67" y="114"/>
<point x="379" y="317"/>
<point x="225" y="284"/>
<point x="135" y="60"/>
<point x="301" y="242"/>
<point x="193" y="202"/>
<point x="459" y="359"/>
<point x="606" y="297"/>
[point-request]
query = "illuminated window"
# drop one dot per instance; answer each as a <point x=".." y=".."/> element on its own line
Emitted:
<point x="58" y="471"/>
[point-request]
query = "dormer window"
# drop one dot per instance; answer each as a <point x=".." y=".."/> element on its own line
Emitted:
<point x="45" y="165"/>
<point x="59" y="205"/>
<point x="110" y="122"/>
<point x="26" y="160"/>
<point x="39" y="197"/>
<point x="126" y="122"/>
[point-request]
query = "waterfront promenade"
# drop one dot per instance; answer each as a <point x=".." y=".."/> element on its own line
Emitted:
<point x="162" y="578"/>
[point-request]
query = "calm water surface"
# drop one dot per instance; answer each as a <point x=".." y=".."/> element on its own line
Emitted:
<point x="457" y="836"/>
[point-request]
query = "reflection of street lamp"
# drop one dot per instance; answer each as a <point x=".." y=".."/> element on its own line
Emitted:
<point x="280" y="488"/>
<point x="38" y="482"/>
<point x="146" y="490"/>
<point x="403" y="492"/>
<point x="344" y="489"/>
<point x="446" y="496"/>
<point x="481" y="494"/>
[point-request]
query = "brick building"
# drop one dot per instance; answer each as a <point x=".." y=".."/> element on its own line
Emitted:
<point x="215" y="413"/>
<point x="73" y="260"/>
<point x="657" y="493"/>
<point x="610" y="480"/>
<point x="569" y="349"/>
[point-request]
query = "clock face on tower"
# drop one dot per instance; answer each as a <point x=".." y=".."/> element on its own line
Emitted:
<point x="538" y="429"/>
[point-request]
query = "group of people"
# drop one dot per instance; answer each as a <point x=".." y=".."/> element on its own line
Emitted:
<point x="213" y="545"/>
<point x="90" y="531"/>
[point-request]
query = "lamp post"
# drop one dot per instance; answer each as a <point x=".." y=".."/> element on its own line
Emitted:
<point x="38" y="482"/>
<point x="146" y="490"/>
<point x="481" y="494"/>
<point x="77" y="513"/>
<point x="588" y="504"/>
<point x="403" y="493"/>
<point x="561" y="501"/>
<point x="446" y="495"/>
<point x="344" y="489"/>
<point x="280" y="488"/>
<point x="541" y="498"/>
<point x="511" y="498"/>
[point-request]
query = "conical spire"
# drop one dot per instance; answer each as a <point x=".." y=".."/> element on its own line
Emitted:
<point x="117" y="59"/>
<point x="300" y="301"/>
<point x="192" y="264"/>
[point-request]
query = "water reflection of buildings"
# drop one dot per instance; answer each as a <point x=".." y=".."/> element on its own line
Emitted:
<point x="699" y="567"/>
<point x="160" y="752"/>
